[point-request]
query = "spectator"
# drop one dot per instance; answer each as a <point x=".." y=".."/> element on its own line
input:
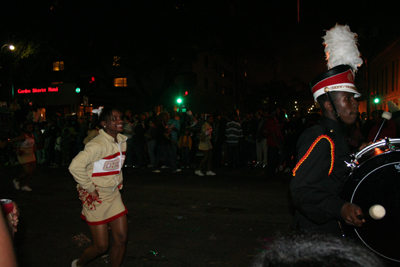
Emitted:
<point x="233" y="134"/>
<point x="94" y="127"/>
<point x="261" y="141"/>
<point x="49" y="141"/>
<point x="39" y="141"/>
<point x="128" y="132"/>
<point x="139" y="143"/>
<point x="249" y="141"/>
<point x="164" y="143"/>
<point x="14" y="106"/>
<point x="57" y="150"/>
<point x="274" y="142"/>
<point x="206" y="147"/>
<point x="185" y="145"/>
<point x="174" y="125"/>
<point x="151" y="143"/>
<point x="25" y="151"/>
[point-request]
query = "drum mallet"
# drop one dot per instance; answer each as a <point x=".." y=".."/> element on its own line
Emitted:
<point x="386" y="116"/>
<point x="376" y="212"/>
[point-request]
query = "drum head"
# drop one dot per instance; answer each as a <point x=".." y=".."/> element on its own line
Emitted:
<point x="377" y="182"/>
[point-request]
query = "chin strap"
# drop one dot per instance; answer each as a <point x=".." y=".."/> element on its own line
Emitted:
<point x="333" y="105"/>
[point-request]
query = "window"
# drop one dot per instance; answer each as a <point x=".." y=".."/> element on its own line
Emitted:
<point x="120" y="82"/>
<point x="116" y="61"/>
<point x="58" y="65"/>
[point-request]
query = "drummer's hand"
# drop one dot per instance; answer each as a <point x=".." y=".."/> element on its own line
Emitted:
<point x="349" y="214"/>
<point x="363" y="145"/>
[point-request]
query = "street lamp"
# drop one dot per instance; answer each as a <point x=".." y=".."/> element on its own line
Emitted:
<point x="11" y="48"/>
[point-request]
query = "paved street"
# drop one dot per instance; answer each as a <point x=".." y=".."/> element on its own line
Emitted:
<point x="174" y="219"/>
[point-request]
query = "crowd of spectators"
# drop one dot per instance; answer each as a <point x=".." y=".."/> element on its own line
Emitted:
<point x="261" y="139"/>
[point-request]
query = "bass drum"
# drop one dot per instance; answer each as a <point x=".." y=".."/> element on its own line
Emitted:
<point x="375" y="180"/>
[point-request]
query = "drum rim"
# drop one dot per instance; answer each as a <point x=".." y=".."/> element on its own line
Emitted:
<point x="360" y="153"/>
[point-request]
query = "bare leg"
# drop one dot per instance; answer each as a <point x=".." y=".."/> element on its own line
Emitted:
<point x="31" y="168"/>
<point x="204" y="160"/>
<point x="119" y="229"/>
<point x="99" y="246"/>
<point x="25" y="173"/>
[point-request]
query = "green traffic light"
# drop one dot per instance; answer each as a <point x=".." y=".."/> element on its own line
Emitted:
<point x="77" y="90"/>
<point x="376" y="100"/>
<point x="179" y="100"/>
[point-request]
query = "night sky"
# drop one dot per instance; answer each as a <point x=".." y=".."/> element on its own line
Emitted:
<point x="267" y="32"/>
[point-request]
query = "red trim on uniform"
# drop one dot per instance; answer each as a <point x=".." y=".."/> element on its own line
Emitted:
<point x="104" y="173"/>
<point x="310" y="150"/>
<point x="107" y="220"/>
<point x="114" y="155"/>
<point x="336" y="79"/>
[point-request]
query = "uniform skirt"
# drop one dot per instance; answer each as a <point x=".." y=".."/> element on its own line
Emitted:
<point x="102" y="210"/>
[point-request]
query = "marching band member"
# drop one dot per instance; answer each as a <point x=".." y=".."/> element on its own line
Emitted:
<point x="322" y="149"/>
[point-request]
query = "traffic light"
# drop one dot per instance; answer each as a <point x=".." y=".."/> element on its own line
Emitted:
<point x="85" y="85"/>
<point x="376" y="99"/>
<point x="179" y="100"/>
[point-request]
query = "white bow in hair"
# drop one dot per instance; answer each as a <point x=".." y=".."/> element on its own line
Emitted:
<point x="97" y="111"/>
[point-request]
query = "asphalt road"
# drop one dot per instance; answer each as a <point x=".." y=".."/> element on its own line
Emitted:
<point x="174" y="219"/>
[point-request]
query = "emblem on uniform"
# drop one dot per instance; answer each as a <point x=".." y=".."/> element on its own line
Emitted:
<point x="111" y="165"/>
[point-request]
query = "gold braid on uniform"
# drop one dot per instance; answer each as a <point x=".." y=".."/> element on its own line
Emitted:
<point x="310" y="150"/>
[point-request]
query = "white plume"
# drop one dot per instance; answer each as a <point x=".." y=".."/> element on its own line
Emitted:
<point x="341" y="47"/>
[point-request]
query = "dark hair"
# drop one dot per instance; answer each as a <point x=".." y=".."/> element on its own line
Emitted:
<point x="313" y="249"/>
<point x="106" y="112"/>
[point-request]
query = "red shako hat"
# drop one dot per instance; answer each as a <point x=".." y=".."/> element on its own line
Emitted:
<point x="339" y="78"/>
<point x="343" y="59"/>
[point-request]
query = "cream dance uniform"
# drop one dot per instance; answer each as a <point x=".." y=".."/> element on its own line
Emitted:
<point x="26" y="149"/>
<point x="98" y="167"/>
